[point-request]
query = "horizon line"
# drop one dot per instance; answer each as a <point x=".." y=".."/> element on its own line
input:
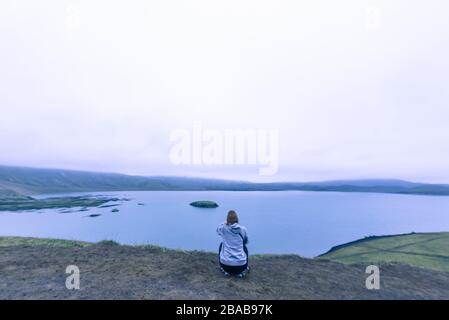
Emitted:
<point x="221" y="179"/>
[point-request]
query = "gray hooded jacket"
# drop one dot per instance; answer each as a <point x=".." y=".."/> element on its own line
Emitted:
<point x="233" y="237"/>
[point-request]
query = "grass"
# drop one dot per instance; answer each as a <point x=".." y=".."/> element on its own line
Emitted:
<point x="34" y="269"/>
<point x="22" y="241"/>
<point x="29" y="241"/>
<point x="427" y="250"/>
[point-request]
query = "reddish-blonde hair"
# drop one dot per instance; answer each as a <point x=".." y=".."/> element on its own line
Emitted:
<point x="232" y="217"/>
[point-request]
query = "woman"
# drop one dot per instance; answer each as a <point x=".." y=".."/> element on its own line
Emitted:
<point x="233" y="254"/>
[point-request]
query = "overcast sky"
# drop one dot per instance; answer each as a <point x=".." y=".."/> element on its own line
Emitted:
<point x="356" y="88"/>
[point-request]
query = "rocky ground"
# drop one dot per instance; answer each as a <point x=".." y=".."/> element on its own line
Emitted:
<point x="36" y="270"/>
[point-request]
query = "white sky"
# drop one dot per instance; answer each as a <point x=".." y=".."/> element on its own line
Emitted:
<point x="356" y="88"/>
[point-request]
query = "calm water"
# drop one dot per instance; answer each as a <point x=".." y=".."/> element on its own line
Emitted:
<point x="306" y="223"/>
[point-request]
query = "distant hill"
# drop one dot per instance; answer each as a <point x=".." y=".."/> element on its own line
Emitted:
<point x="6" y="195"/>
<point x="22" y="181"/>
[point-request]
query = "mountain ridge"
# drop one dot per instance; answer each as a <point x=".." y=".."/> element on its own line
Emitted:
<point x="25" y="181"/>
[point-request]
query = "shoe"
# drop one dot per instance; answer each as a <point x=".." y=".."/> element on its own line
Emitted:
<point x="224" y="272"/>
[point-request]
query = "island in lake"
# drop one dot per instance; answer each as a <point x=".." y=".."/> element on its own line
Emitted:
<point x="204" y="204"/>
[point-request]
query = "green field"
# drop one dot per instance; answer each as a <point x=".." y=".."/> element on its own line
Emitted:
<point x="427" y="250"/>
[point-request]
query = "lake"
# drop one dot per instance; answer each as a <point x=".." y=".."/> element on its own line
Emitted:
<point x="305" y="223"/>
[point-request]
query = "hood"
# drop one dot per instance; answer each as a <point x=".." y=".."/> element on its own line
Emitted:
<point x="235" y="227"/>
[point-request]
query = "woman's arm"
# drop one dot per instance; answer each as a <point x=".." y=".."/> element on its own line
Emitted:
<point x="220" y="228"/>
<point x="244" y="234"/>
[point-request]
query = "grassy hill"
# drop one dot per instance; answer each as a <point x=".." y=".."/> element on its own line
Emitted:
<point x="11" y="195"/>
<point x="427" y="250"/>
<point x="37" y="181"/>
<point x="35" y="269"/>
<point x="29" y="181"/>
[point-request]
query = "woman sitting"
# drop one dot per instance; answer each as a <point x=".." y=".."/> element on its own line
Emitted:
<point x="233" y="254"/>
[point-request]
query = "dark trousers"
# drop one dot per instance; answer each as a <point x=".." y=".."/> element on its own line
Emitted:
<point x="234" y="269"/>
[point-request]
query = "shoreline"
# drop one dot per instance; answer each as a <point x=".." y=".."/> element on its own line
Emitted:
<point x="370" y="238"/>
